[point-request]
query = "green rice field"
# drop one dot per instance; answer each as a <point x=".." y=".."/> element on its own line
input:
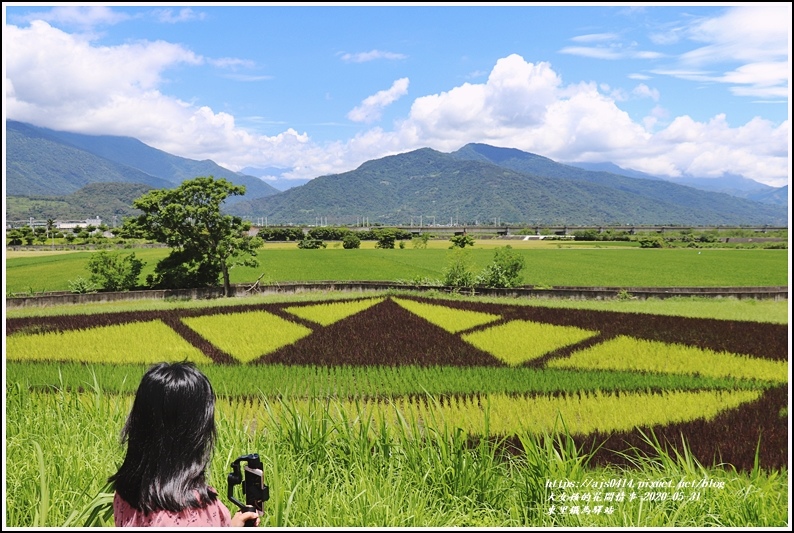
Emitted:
<point x="546" y="265"/>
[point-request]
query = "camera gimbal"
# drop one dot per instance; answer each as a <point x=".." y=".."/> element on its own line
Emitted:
<point x="254" y="488"/>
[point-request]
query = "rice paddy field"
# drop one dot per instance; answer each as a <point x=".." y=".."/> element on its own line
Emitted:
<point x="547" y="263"/>
<point x="405" y="409"/>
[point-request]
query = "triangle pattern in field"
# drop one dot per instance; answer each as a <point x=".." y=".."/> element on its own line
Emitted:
<point x="448" y="318"/>
<point x="384" y="334"/>
<point x="327" y="313"/>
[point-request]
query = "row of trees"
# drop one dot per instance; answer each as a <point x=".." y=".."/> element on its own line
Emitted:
<point x="26" y="235"/>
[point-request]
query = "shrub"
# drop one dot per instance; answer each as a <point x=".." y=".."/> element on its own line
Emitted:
<point x="81" y="286"/>
<point x="328" y="233"/>
<point x="458" y="273"/>
<point x="351" y="241"/>
<point x="113" y="272"/>
<point x="385" y="239"/>
<point x="420" y="241"/>
<point x="311" y="244"/>
<point x="504" y="271"/>
<point x="462" y="240"/>
<point x="651" y="242"/>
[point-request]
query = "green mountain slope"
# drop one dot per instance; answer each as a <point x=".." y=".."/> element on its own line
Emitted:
<point x="103" y="200"/>
<point x="38" y="164"/>
<point x="455" y="189"/>
<point x="175" y="169"/>
<point x="47" y="162"/>
<point x="679" y="194"/>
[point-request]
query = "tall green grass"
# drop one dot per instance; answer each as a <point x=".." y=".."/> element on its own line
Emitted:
<point x="324" y="471"/>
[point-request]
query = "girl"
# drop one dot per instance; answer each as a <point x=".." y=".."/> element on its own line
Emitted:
<point x="170" y="436"/>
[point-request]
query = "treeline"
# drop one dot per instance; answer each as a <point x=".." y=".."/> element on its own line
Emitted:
<point x="329" y="233"/>
<point x="690" y="238"/>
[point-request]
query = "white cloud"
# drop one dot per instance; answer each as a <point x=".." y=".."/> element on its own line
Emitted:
<point x="756" y="37"/>
<point x="595" y="53"/>
<point x="63" y="77"/>
<point x="595" y="37"/>
<point x="231" y="63"/>
<point x="363" y="57"/>
<point x="78" y="16"/>
<point x="371" y="108"/>
<point x="63" y="81"/>
<point x="525" y="106"/>
<point x="183" y="15"/>
<point x="746" y="33"/>
<point x="643" y="91"/>
<point x="613" y="52"/>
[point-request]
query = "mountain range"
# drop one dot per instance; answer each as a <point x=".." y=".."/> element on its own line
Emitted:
<point x="485" y="184"/>
<point x="728" y="183"/>
<point x="51" y="166"/>
<point x="49" y="172"/>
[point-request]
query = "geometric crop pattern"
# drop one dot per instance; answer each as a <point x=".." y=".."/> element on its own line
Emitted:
<point x="429" y="336"/>
<point x="519" y="341"/>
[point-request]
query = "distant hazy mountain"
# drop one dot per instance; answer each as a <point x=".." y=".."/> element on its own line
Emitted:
<point x="614" y="169"/>
<point x="273" y="176"/>
<point x="729" y="184"/>
<point x="777" y="196"/>
<point x="485" y="184"/>
<point x="47" y="162"/>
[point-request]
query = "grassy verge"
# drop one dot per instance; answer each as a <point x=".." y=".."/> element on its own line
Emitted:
<point x="704" y="307"/>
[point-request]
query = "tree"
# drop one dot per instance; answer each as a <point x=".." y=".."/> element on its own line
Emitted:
<point x="205" y="243"/>
<point x="420" y="241"/>
<point x="504" y="271"/>
<point x="50" y="228"/>
<point x="40" y="234"/>
<point x="386" y="238"/>
<point x="112" y="272"/>
<point x="351" y="241"/>
<point x="462" y="240"/>
<point x="21" y="235"/>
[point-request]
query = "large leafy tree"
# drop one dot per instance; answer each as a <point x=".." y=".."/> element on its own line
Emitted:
<point x="205" y="244"/>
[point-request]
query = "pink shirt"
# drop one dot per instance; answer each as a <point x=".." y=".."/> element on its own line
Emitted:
<point x="213" y="515"/>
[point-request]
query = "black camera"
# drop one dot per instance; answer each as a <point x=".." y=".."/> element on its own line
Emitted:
<point x="254" y="488"/>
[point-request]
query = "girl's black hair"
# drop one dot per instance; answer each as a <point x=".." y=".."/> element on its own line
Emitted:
<point x="170" y="435"/>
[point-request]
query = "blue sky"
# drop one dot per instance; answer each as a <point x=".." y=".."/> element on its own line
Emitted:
<point x="672" y="90"/>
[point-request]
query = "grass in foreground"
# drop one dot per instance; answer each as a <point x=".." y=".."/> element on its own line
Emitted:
<point x="324" y="471"/>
